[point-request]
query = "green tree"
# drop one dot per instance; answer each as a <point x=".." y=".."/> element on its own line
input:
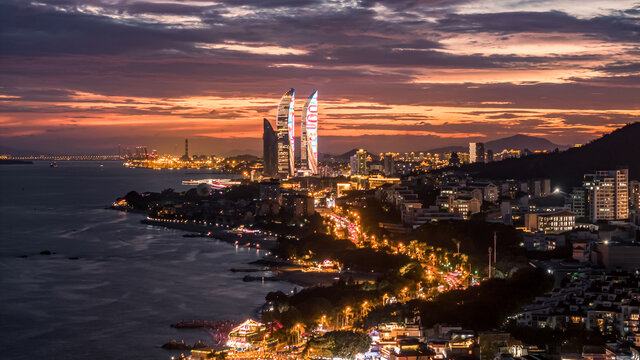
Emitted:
<point x="341" y="343"/>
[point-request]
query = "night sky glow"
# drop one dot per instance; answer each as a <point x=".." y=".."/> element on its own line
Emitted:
<point x="81" y="76"/>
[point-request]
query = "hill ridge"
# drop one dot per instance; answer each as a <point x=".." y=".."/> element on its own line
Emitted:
<point x="618" y="149"/>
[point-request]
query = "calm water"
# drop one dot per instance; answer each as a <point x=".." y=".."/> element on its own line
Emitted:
<point x="130" y="281"/>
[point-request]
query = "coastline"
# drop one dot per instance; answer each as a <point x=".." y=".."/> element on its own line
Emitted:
<point x="208" y="231"/>
<point x="283" y="270"/>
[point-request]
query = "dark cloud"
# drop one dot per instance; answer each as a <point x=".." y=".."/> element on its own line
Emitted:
<point x="272" y="3"/>
<point x="610" y="119"/>
<point x="504" y="116"/>
<point x="34" y="31"/>
<point x="53" y="50"/>
<point x="415" y="4"/>
<point x="613" y="28"/>
<point x="620" y="67"/>
<point x="619" y="81"/>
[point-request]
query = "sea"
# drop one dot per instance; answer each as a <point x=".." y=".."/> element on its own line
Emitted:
<point x="112" y="286"/>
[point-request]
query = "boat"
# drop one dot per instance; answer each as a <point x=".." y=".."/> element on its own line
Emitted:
<point x="53" y="164"/>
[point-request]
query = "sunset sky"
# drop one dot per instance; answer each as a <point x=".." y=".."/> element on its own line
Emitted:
<point x="85" y="76"/>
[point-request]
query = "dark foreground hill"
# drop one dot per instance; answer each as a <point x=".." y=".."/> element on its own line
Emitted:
<point x="620" y="148"/>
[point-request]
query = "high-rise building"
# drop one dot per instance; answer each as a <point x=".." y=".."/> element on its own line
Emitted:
<point x="285" y="131"/>
<point x="578" y="202"/>
<point x="608" y="196"/>
<point x="269" y="149"/>
<point x="353" y="164"/>
<point x="476" y="152"/>
<point x="309" y="135"/>
<point x="186" y="157"/>
<point x="358" y="163"/>
<point x="389" y="165"/>
<point x="634" y="196"/>
<point x="361" y="162"/>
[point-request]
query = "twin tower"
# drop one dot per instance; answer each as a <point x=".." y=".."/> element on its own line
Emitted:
<point x="279" y="145"/>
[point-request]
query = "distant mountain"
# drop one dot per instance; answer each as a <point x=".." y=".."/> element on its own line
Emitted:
<point x="521" y="142"/>
<point x="516" y="142"/>
<point x="448" y="149"/>
<point x="342" y="157"/>
<point x="621" y="148"/>
<point x="240" y="152"/>
<point x="19" y="152"/>
<point x="244" y="157"/>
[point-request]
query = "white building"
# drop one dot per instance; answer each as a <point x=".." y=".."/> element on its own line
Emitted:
<point x="609" y="195"/>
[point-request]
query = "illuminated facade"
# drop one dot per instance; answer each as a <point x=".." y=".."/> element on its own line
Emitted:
<point x="556" y="222"/>
<point x="309" y="136"/>
<point x="360" y="162"/>
<point x="609" y="195"/>
<point x="285" y="131"/>
<point x="476" y="152"/>
<point x="249" y="335"/>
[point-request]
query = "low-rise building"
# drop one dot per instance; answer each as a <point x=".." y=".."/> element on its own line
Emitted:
<point x="613" y="255"/>
<point x="249" y="335"/>
<point x="298" y="204"/>
<point x="556" y="222"/>
<point x="608" y="302"/>
<point x="417" y="216"/>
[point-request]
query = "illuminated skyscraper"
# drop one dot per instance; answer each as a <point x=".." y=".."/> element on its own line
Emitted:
<point x="309" y="136"/>
<point x="476" y="152"/>
<point x="270" y="149"/>
<point x="285" y="131"/>
<point x="358" y="163"/>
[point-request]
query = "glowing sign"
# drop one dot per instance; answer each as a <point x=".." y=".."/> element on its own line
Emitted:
<point x="310" y="135"/>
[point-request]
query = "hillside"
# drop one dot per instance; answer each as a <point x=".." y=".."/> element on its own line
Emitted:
<point x="620" y="148"/>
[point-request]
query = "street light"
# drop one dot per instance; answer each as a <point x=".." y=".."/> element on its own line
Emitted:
<point x="347" y="310"/>
<point x="298" y="333"/>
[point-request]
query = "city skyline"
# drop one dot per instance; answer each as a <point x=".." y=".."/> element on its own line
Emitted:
<point x="457" y="180"/>
<point x="429" y="73"/>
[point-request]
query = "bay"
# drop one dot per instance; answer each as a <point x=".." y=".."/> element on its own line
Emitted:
<point x="129" y="281"/>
